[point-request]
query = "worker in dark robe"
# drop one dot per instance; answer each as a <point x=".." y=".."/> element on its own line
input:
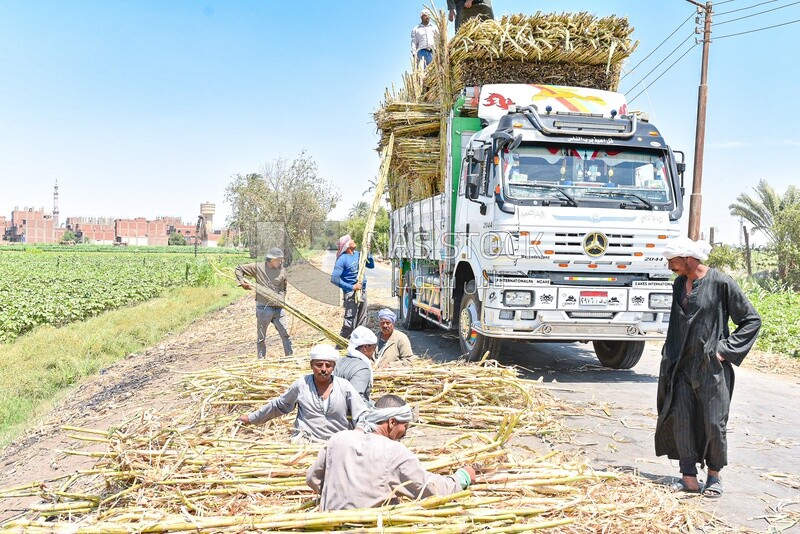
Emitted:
<point x="696" y="379"/>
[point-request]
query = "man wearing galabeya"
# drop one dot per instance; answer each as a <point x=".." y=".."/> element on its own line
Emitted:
<point x="696" y="379"/>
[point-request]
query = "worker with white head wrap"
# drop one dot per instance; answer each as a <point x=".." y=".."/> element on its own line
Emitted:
<point x="687" y="248"/>
<point x="369" y="467"/>
<point x="325" y="404"/>
<point x="393" y="345"/>
<point x="696" y="379"/>
<point x="356" y="367"/>
<point x="424" y="37"/>
<point x="345" y="276"/>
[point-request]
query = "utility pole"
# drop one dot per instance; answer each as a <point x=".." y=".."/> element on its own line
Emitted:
<point x="696" y="198"/>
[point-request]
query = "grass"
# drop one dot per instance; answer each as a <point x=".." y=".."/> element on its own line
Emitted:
<point x="43" y="365"/>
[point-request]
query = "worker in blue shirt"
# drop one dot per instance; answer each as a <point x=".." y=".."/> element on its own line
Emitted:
<point x="345" y="275"/>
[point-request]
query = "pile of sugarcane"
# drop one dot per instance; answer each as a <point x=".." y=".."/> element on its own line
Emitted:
<point x="574" y="49"/>
<point x="183" y="474"/>
<point x="198" y="469"/>
<point x="454" y="395"/>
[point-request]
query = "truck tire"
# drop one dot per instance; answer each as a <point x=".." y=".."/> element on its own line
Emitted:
<point x="473" y="344"/>
<point x="618" y="354"/>
<point x="410" y="318"/>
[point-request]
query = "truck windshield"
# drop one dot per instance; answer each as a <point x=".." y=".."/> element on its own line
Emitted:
<point x="626" y="178"/>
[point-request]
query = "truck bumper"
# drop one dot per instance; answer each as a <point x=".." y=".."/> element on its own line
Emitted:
<point x="554" y="326"/>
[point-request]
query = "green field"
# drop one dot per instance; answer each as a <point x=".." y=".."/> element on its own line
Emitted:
<point x="55" y="288"/>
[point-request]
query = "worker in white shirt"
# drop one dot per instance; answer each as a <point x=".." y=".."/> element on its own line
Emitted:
<point x="423" y="38"/>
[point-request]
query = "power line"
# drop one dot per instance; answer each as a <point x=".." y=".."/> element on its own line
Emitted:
<point x="755" y="14"/>
<point x="667" y="57"/>
<point x="661" y="43"/>
<point x="757" y="30"/>
<point x="663" y="73"/>
<point x="745" y="8"/>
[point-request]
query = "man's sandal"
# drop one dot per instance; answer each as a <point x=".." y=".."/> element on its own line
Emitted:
<point x="681" y="487"/>
<point x="713" y="489"/>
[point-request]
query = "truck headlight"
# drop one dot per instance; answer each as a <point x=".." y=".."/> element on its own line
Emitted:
<point x="517" y="298"/>
<point x="660" y="301"/>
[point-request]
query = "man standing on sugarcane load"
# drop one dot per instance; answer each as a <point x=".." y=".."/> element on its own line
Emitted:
<point x="356" y="367"/>
<point x="345" y="276"/>
<point x="270" y="278"/>
<point x="695" y="383"/>
<point x="393" y="345"/>
<point x="325" y="404"/>
<point x="424" y="37"/>
<point x="463" y="10"/>
<point x="369" y="467"/>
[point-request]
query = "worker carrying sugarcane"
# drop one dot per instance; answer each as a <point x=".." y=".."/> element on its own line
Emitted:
<point x="345" y="276"/>
<point x="393" y="345"/>
<point x="356" y="367"/>
<point x="326" y="404"/>
<point x="270" y="285"/>
<point x="369" y="467"/>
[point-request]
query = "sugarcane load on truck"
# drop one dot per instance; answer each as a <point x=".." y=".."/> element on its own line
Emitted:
<point x="528" y="202"/>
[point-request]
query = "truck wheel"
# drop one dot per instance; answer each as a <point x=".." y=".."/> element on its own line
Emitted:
<point x="409" y="314"/>
<point x="473" y="344"/>
<point x="618" y="354"/>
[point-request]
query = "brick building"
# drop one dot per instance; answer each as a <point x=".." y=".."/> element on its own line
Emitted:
<point x="97" y="230"/>
<point x="32" y="226"/>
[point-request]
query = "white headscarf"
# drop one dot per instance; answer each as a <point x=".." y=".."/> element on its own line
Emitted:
<point x="323" y="352"/>
<point x="684" y="247"/>
<point x="375" y="416"/>
<point x="362" y="336"/>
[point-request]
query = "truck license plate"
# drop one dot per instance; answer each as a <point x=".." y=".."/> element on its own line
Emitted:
<point x="593" y="298"/>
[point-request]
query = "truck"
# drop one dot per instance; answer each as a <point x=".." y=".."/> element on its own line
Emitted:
<point x="550" y="227"/>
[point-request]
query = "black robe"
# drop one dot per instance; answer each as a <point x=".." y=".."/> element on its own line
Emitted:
<point x="694" y="387"/>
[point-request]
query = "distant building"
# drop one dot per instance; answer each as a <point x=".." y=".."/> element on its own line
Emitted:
<point x="36" y="226"/>
<point x="4" y="224"/>
<point x="32" y="226"/>
<point x="97" y="230"/>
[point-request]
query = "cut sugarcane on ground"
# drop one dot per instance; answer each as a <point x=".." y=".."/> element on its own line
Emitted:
<point x="197" y="468"/>
<point x="190" y="465"/>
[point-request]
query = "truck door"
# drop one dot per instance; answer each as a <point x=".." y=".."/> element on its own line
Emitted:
<point x="471" y="214"/>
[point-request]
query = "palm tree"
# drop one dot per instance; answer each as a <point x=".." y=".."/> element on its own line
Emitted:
<point x="760" y="211"/>
<point x="360" y="210"/>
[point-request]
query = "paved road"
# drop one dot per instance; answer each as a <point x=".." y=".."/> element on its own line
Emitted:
<point x="762" y="432"/>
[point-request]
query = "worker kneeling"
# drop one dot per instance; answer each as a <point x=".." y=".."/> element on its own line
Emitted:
<point x="325" y="404"/>
<point x="369" y="467"/>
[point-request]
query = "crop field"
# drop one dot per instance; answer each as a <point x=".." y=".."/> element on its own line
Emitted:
<point x="38" y="288"/>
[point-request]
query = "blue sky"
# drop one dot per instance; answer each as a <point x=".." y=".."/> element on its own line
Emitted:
<point x="147" y="108"/>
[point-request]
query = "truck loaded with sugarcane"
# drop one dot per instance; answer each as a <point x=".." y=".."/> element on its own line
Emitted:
<point x="525" y="210"/>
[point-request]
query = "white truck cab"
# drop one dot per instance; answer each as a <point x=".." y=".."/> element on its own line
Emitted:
<point x="556" y="207"/>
